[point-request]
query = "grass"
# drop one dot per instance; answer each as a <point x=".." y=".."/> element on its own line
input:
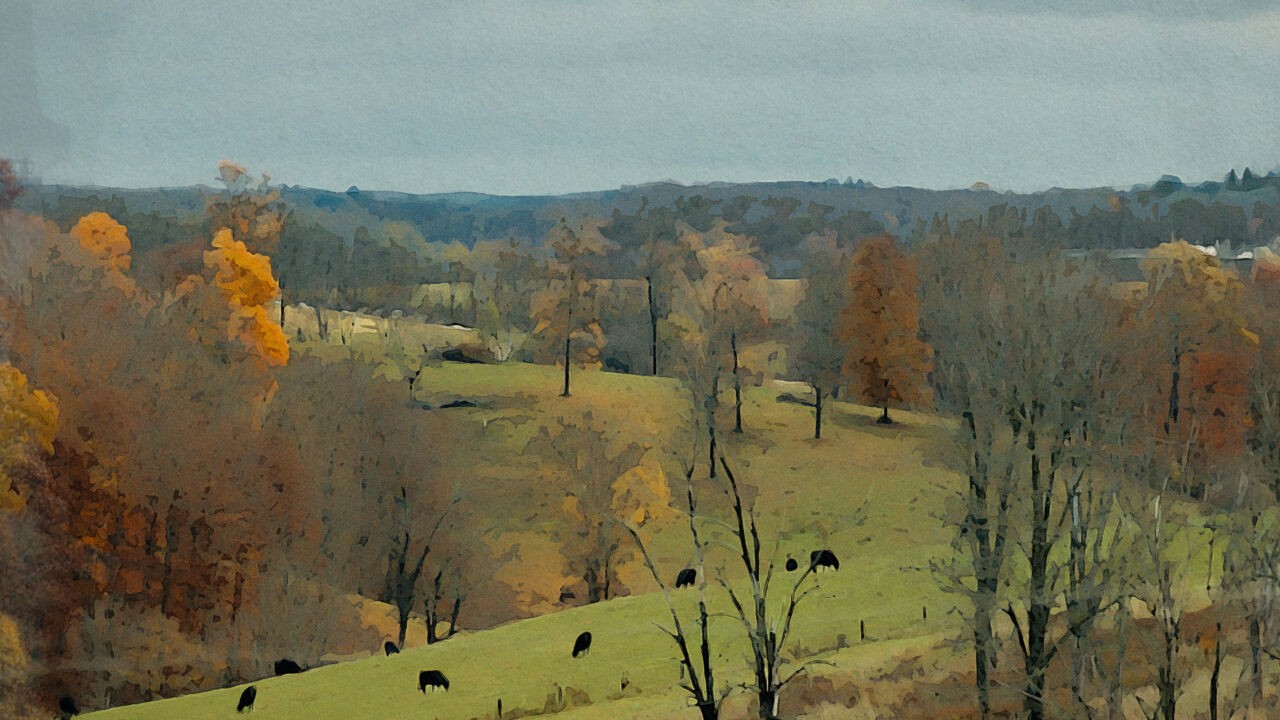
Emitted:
<point x="868" y="492"/>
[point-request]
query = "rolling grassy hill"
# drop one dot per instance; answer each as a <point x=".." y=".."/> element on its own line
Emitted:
<point x="809" y="495"/>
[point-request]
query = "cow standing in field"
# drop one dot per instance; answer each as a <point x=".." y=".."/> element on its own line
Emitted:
<point x="433" y="679"/>
<point x="67" y="707"/>
<point x="823" y="558"/>
<point x="686" y="578"/>
<point x="390" y="648"/>
<point x="246" y="699"/>
<point x="285" y="666"/>
<point x="582" y="645"/>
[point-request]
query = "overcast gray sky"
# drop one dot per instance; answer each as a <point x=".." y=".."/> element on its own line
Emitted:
<point x="568" y="95"/>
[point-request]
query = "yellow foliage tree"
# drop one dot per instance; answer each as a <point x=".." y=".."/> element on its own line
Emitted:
<point x="642" y="494"/>
<point x="245" y="281"/>
<point x="14" y="666"/>
<point x="28" y="420"/>
<point x="105" y="239"/>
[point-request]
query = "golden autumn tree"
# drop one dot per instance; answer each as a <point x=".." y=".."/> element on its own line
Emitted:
<point x="244" y="280"/>
<point x="105" y="252"/>
<point x="886" y="360"/>
<point x="105" y="239"/>
<point x="28" y="421"/>
<point x="605" y="481"/>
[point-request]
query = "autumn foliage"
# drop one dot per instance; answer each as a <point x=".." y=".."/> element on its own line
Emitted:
<point x="106" y="240"/>
<point x="886" y="361"/>
<point x="245" y="281"/>
<point x="151" y="486"/>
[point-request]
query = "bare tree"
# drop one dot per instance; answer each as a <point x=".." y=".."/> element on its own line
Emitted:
<point x="1030" y="376"/>
<point x="819" y="352"/>
<point x="700" y="680"/>
<point x="767" y="630"/>
<point x="402" y="572"/>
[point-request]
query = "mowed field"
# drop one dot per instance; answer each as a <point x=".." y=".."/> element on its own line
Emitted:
<point x="872" y="494"/>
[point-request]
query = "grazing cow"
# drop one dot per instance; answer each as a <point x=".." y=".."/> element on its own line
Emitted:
<point x="390" y="648"/>
<point x="823" y="558"/>
<point x="67" y="706"/>
<point x="246" y="699"/>
<point x="433" y="679"/>
<point x="792" y="564"/>
<point x="582" y="645"/>
<point x="616" y="365"/>
<point x="285" y="666"/>
<point x="686" y="578"/>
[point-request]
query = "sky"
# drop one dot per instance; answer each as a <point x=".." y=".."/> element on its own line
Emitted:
<point x="557" y="96"/>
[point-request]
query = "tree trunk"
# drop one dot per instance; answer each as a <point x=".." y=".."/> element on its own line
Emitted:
<point x="1255" y="656"/>
<point x="565" y="392"/>
<point x="568" y="328"/>
<point x="433" y="608"/>
<point x="1217" y="670"/>
<point x="817" y="412"/>
<point x="982" y="662"/>
<point x="653" y="328"/>
<point x="1038" y="604"/>
<point x="737" y="384"/>
<point x="1176" y="363"/>
<point x="322" y="327"/>
<point x="884" y="418"/>
<point x="711" y="404"/>
<point x="402" y="617"/>
<point x="768" y="704"/>
<point x="1167" y="680"/>
<point x="605" y="589"/>
<point x="709" y="711"/>
<point x="711" y="445"/>
<point x="453" y="615"/>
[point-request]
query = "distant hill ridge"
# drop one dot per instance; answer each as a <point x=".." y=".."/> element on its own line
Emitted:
<point x="1230" y="207"/>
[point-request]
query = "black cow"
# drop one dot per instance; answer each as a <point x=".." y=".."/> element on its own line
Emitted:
<point x="792" y="564"/>
<point x="67" y="705"/>
<point x="390" y="648"/>
<point x="582" y="645"/>
<point x="285" y="666"/>
<point x="616" y="365"/>
<point x="686" y="578"/>
<point x="246" y="699"/>
<point x="433" y="679"/>
<point x="823" y="558"/>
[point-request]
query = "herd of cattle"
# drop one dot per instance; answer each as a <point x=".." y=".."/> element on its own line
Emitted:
<point x="818" y="559"/>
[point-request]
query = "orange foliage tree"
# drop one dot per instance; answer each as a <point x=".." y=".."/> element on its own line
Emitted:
<point x="886" y="359"/>
<point x="1188" y="333"/>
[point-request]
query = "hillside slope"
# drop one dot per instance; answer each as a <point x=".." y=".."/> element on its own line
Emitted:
<point x="808" y="497"/>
